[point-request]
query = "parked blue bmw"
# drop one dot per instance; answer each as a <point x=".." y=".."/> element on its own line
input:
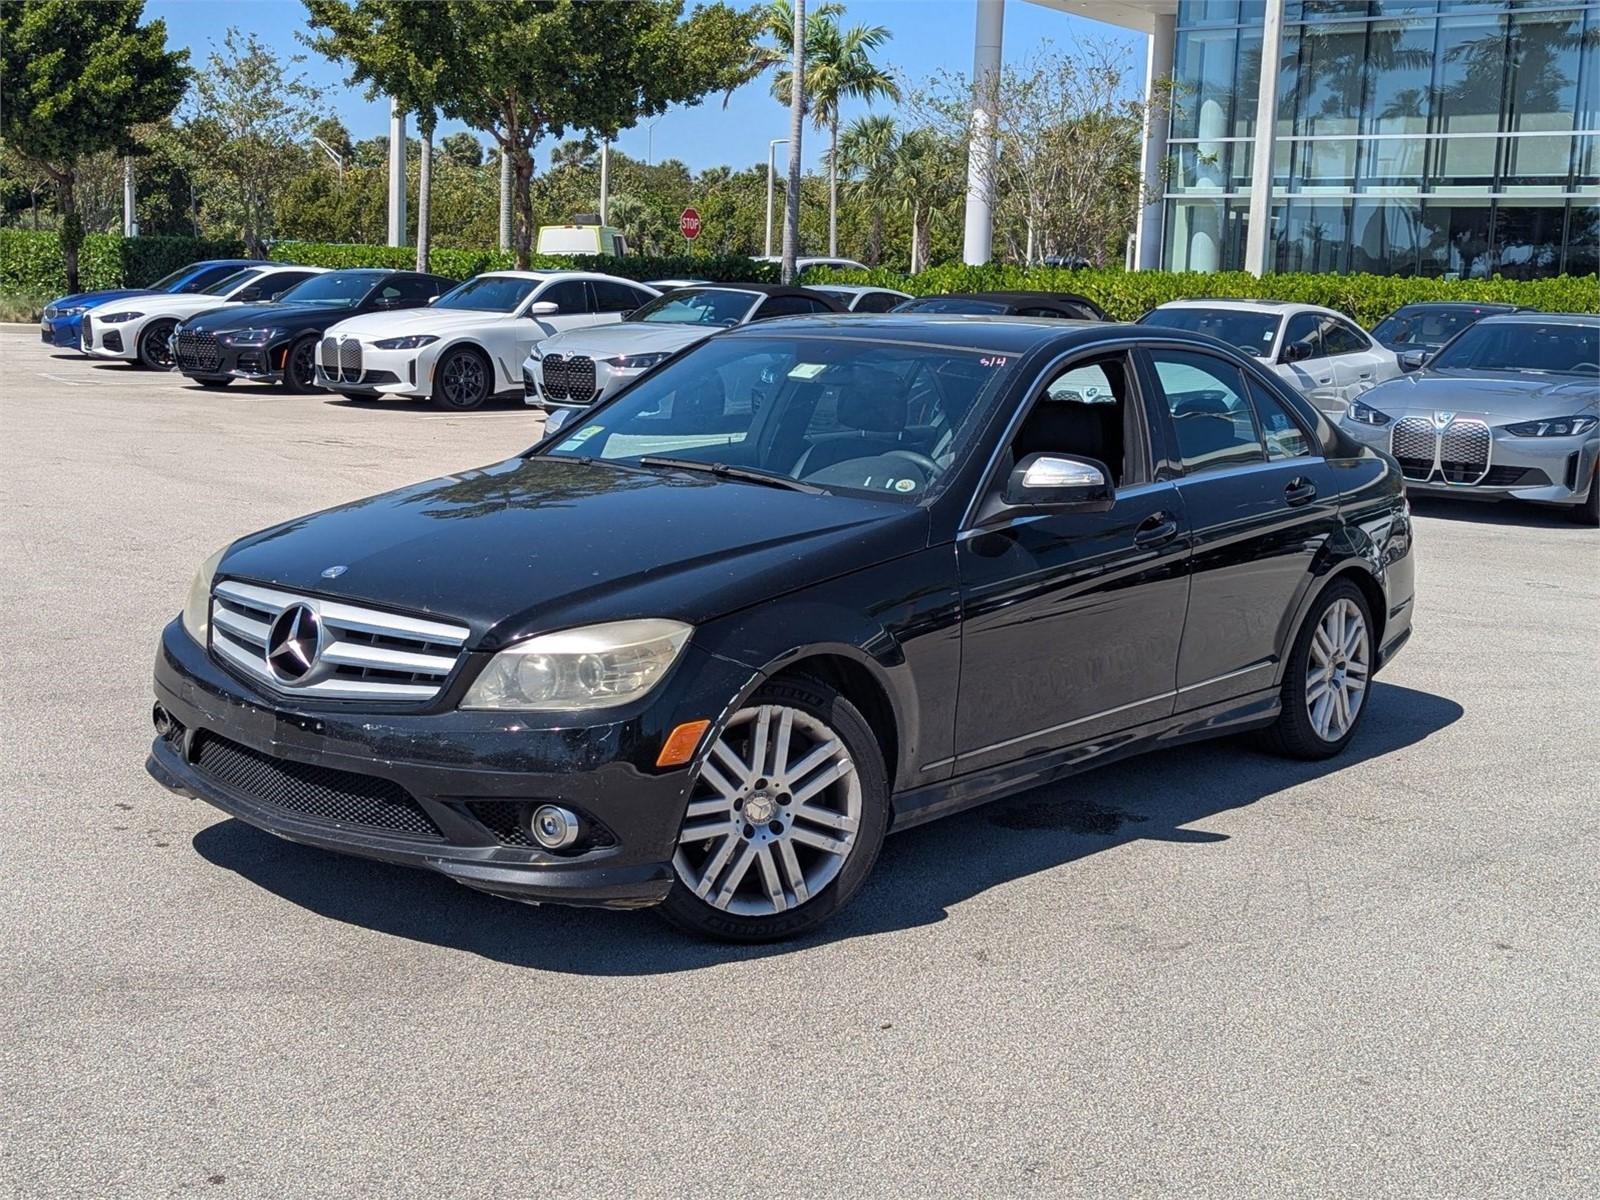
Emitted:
<point x="63" y="317"/>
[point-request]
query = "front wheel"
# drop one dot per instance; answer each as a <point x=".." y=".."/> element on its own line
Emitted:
<point x="785" y="817"/>
<point x="462" y="381"/>
<point x="300" y="366"/>
<point x="1328" y="676"/>
<point x="155" y="345"/>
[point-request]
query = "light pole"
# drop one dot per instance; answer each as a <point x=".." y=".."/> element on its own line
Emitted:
<point x="772" y="167"/>
<point x="338" y="159"/>
<point x="605" y="178"/>
<point x="650" y="142"/>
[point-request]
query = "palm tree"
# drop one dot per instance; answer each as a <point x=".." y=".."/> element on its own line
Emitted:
<point x="839" y="67"/>
<point x="866" y="155"/>
<point x="922" y="175"/>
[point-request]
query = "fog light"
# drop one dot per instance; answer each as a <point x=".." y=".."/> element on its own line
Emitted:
<point x="554" y="828"/>
<point x="161" y="720"/>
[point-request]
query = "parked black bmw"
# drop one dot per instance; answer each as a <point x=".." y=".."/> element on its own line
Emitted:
<point x="809" y="581"/>
<point x="277" y="342"/>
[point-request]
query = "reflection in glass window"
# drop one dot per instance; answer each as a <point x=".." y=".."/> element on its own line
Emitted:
<point x="1527" y="238"/>
<point x="1313" y="236"/>
<point x="1457" y="235"/>
<point x="1469" y="74"/>
<point x="1210" y="415"/>
<point x="1282" y="433"/>
<point x="1206" y="235"/>
<point x="1330" y="80"/>
<point x="1399" y="78"/>
<point x="1204" y="63"/>
<point x="1385" y="236"/>
<point x="1543" y="71"/>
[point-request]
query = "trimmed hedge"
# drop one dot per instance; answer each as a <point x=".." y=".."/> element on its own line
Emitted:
<point x="30" y="265"/>
<point x="1126" y="295"/>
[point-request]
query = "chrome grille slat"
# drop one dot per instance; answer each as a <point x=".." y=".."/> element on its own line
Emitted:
<point x="366" y="654"/>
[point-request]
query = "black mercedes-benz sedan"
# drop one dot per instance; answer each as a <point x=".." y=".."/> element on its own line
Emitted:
<point x="811" y="580"/>
<point x="1066" y="306"/>
<point x="277" y="342"/>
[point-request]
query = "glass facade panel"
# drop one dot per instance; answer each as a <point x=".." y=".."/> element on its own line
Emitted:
<point x="1441" y="137"/>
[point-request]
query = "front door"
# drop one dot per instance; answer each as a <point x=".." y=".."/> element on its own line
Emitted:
<point x="1307" y="368"/>
<point x="1260" y="500"/>
<point x="1072" y="619"/>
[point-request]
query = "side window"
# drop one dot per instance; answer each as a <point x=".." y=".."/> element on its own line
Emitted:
<point x="614" y="297"/>
<point x="413" y="291"/>
<point x="1341" y="338"/>
<point x="569" y="296"/>
<point x="788" y="306"/>
<point x="1283" y="435"/>
<point x="1039" y="312"/>
<point x="1085" y="411"/>
<point x="1304" y="327"/>
<point x="207" y="277"/>
<point x="276" y="285"/>
<point x="1210" y="414"/>
<point x="876" y="302"/>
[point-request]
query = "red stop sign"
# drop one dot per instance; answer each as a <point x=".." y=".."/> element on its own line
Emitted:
<point x="689" y="224"/>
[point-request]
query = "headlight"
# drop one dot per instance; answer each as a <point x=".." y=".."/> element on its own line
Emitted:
<point x="1365" y="414"/>
<point x="635" y="362"/>
<point x="1552" y="427"/>
<point x="412" y="342"/>
<point x="197" y="607"/>
<point x="250" y="337"/>
<point x="117" y="318"/>
<point x="598" y="666"/>
<point x="65" y="310"/>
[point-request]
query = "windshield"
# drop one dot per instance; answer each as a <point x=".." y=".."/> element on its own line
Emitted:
<point x="489" y="293"/>
<point x="1254" y="333"/>
<point x="712" y="306"/>
<point x="1425" y="326"/>
<point x="166" y="281"/>
<point x="1549" y="347"/>
<point x="952" y="304"/>
<point x="849" y="416"/>
<point x="336" y="289"/>
<point x="229" y="282"/>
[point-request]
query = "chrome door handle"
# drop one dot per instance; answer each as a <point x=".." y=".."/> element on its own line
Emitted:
<point x="1155" y="530"/>
<point x="1300" y="491"/>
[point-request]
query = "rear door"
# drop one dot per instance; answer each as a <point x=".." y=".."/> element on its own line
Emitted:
<point x="1259" y="502"/>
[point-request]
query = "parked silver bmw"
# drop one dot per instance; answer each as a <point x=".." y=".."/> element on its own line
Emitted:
<point x="1509" y="408"/>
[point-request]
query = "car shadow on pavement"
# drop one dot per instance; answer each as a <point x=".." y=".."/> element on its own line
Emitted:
<point x="1509" y="513"/>
<point x="920" y="876"/>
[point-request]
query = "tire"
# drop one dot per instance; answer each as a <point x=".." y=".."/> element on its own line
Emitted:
<point x="463" y="380"/>
<point x="153" y="350"/>
<point x="300" y="366"/>
<point x="1320" y="685"/>
<point x="1588" y="513"/>
<point x="213" y="382"/>
<point x="727" y="878"/>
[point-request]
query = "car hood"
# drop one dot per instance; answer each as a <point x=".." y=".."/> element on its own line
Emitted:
<point x="626" y="337"/>
<point x="182" y="304"/>
<point x="442" y="322"/>
<point x="90" y="299"/>
<point x="256" y="316"/>
<point x="547" y="543"/>
<point x="1496" y="397"/>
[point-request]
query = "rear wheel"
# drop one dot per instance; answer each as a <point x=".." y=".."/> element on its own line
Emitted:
<point x="462" y="380"/>
<point x="300" y="365"/>
<point x="155" y="345"/>
<point x="1328" y="676"/>
<point x="1588" y="513"/>
<point x="785" y="818"/>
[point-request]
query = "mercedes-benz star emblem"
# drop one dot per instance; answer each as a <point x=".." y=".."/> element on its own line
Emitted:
<point x="294" y="643"/>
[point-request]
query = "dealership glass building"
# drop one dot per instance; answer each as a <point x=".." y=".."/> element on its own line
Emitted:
<point x="1406" y="137"/>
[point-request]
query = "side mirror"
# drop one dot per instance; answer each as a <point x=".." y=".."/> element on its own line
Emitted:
<point x="558" y="419"/>
<point x="1059" y="481"/>
<point x="1296" y="352"/>
<point x="249" y="295"/>
<point x="431" y="299"/>
<point x="543" y="308"/>
<point x="1414" y="360"/>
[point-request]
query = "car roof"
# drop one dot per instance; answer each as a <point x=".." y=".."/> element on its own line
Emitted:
<point x="763" y="289"/>
<point x="1542" y="318"/>
<point x="1002" y="334"/>
<point x="1263" y="306"/>
<point x="1489" y="306"/>
<point x="857" y="289"/>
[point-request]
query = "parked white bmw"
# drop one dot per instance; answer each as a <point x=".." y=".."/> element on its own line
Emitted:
<point x="140" y="328"/>
<point x="469" y="344"/>
<point x="1321" y="352"/>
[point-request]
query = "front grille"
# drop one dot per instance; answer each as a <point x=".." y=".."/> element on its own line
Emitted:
<point x="361" y="653"/>
<point x="350" y="360"/>
<point x="318" y="793"/>
<point x="569" y="378"/>
<point x="197" y="351"/>
<point x="1515" y="477"/>
<point x="1464" y="451"/>
<point x="330" y="357"/>
<point x="1412" y="441"/>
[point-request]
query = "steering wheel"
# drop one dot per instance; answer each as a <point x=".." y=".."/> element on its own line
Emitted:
<point x="917" y="459"/>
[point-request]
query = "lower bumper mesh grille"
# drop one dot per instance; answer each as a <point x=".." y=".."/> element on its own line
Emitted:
<point x="318" y="793"/>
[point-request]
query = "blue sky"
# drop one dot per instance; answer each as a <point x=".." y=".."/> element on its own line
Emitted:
<point x="929" y="36"/>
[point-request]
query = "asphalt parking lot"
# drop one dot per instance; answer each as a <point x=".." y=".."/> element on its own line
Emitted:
<point x="1208" y="972"/>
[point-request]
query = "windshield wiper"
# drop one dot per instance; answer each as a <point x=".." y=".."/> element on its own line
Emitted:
<point x="724" y="471"/>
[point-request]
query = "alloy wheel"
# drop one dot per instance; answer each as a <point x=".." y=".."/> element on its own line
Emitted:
<point x="302" y="366"/>
<point x="1337" y="670"/>
<point x="462" y="381"/>
<point x="155" y="347"/>
<point x="773" y="816"/>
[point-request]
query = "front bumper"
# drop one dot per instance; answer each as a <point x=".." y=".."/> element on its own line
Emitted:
<point x="259" y="364"/>
<point x="460" y="770"/>
<point x="607" y="379"/>
<point x="108" y="341"/>
<point x="377" y="372"/>
<point x="66" y="332"/>
<point x="1545" y="470"/>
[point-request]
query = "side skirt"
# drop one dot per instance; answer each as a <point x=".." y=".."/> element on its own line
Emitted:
<point x="947" y="797"/>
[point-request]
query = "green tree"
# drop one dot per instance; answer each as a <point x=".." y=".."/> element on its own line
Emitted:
<point x="522" y="70"/>
<point x="866" y="156"/>
<point x="74" y="81"/>
<point x="400" y="49"/>
<point x="251" y="114"/>
<point x="839" y="67"/>
<point x="462" y="149"/>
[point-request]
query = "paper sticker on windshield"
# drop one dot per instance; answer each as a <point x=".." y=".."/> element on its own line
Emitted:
<point x="905" y="485"/>
<point x="807" y="370"/>
<point x="579" y="438"/>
